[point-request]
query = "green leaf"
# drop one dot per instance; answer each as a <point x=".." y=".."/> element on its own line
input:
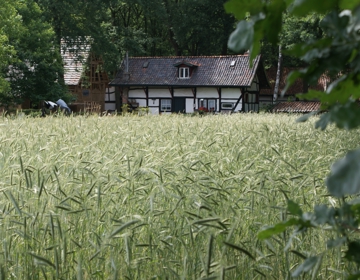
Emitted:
<point x="239" y="8"/>
<point x="346" y="116"/>
<point x="42" y="260"/>
<point x="301" y="49"/>
<point x="311" y="95"/>
<point x="242" y="38"/>
<point x="304" y="7"/>
<point x="306" y="266"/>
<point x="278" y="228"/>
<point x="121" y="228"/>
<point x="323" y="121"/>
<point x="236" y="247"/>
<point x="353" y="252"/>
<point x="335" y="242"/>
<point x="348" y="4"/>
<point x="354" y="276"/>
<point x="324" y="214"/>
<point x="341" y="90"/>
<point x="298" y="254"/>
<point x="294" y="208"/>
<point x="13" y="200"/>
<point x="258" y="34"/>
<point x="305" y="117"/>
<point x="274" y="18"/>
<point x="345" y="176"/>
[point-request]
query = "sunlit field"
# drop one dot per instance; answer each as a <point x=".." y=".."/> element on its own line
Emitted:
<point x="161" y="197"/>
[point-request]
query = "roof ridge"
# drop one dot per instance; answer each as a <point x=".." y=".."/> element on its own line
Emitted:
<point x="191" y="56"/>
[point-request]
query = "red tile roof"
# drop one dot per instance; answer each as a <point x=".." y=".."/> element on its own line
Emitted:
<point x="208" y="71"/>
<point x="74" y="60"/>
<point x="296" y="107"/>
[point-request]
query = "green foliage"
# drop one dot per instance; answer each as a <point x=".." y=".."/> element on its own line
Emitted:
<point x="336" y="54"/>
<point x="125" y="108"/>
<point x="33" y="73"/>
<point x="344" y="178"/>
<point x="9" y="26"/>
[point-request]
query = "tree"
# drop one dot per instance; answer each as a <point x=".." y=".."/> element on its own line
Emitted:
<point x="337" y="54"/>
<point x="9" y="25"/>
<point x="278" y="74"/>
<point x="35" y="73"/>
<point x="170" y="27"/>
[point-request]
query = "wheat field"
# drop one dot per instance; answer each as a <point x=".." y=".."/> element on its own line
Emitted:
<point x="161" y="197"/>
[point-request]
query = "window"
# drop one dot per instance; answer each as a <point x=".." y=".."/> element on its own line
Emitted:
<point x="207" y="105"/>
<point x="203" y="103"/>
<point x="184" y="73"/>
<point x="165" y="105"/>
<point x="211" y="105"/>
<point x="227" y="105"/>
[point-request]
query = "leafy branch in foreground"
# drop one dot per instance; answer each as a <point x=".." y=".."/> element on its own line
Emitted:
<point x="343" y="220"/>
<point x="336" y="55"/>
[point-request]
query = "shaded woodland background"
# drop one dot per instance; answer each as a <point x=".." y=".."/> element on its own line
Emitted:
<point x="31" y="31"/>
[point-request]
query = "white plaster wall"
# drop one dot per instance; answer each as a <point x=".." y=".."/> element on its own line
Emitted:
<point x="230" y="93"/>
<point x="154" y="102"/>
<point x="154" y="111"/>
<point x="159" y="92"/>
<point x="142" y="102"/>
<point x="189" y="105"/>
<point x="134" y="93"/>
<point x="183" y="92"/>
<point x="206" y="93"/>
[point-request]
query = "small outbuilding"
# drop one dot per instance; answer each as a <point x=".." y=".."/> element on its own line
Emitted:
<point x="84" y="76"/>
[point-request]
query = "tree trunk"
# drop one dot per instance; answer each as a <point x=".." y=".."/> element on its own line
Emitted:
<point x="171" y="35"/>
<point x="278" y="75"/>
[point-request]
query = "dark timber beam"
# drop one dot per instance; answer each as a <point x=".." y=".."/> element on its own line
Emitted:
<point x="238" y="101"/>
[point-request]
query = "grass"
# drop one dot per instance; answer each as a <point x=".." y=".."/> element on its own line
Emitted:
<point x="161" y="197"/>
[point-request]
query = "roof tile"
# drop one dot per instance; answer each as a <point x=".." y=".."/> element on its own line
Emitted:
<point x="74" y="60"/>
<point x="207" y="71"/>
<point x="296" y="107"/>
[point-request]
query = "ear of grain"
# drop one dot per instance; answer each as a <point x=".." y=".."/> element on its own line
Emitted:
<point x="201" y="187"/>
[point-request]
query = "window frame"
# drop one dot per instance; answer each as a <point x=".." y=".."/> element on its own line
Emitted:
<point x="161" y="105"/>
<point x="226" y="107"/>
<point x="184" y="72"/>
<point x="204" y="102"/>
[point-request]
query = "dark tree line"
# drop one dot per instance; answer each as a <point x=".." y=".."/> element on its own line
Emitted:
<point x="141" y="27"/>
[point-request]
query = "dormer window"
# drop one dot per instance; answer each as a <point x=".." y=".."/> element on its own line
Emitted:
<point x="184" y="73"/>
<point x="185" y="69"/>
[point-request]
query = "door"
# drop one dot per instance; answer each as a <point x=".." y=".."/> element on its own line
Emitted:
<point x="179" y="105"/>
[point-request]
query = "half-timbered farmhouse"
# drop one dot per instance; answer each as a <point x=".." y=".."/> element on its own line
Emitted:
<point x="192" y="83"/>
